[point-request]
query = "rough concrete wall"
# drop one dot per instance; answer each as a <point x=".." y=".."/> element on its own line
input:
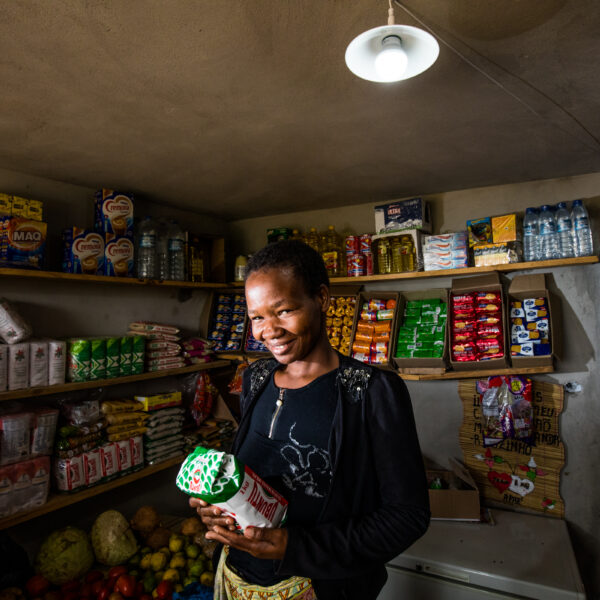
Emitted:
<point x="438" y="409"/>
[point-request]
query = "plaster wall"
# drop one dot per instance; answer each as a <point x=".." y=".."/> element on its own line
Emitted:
<point x="438" y="410"/>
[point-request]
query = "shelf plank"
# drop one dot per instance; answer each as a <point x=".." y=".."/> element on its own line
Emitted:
<point x="540" y="264"/>
<point x="58" y="501"/>
<point x="58" y="276"/>
<point x="84" y="385"/>
<point x="474" y="374"/>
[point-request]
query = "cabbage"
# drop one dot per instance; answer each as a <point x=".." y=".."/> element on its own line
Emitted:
<point x="64" y="555"/>
<point x="112" y="539"/>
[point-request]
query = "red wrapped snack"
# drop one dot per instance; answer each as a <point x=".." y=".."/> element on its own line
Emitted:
<point x="463" y="299"/>
<point x="488" y="307"/>
<point x="464" y="325"/>
<point x="489" y="331"/>
<point x="488" y="297"/>
<point x="489" y="319"/>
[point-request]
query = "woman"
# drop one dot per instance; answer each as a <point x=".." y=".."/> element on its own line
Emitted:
<point x="334" y="436"/>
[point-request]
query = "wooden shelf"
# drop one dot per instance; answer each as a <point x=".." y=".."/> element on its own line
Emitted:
<point x="540" y="264"/>
<point x="473" y="374"/>
<point x="58" y="276"/>
<point x="84" y="385"/>
<point x="58" y="501"/>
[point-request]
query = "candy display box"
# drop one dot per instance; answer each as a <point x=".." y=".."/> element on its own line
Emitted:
<point x="490" y="282"/>
<point x="416" y="364"/>
<point x="459" y="498"/>
<point x="534" y="286"/>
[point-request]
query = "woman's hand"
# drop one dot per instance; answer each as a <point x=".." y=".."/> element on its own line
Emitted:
<point x="260" y="542"/>
<point x="211" y="515"/>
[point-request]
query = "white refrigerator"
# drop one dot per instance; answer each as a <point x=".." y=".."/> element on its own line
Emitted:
<point x="519" y="556"/>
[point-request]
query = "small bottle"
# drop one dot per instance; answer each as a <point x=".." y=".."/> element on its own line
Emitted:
<point x="548" y="238"/>
<point x="408" y="253"/>
<point x="297" y="235"/>
<point x="531" y="232"/>
<point x="240" y="268"/>
<point x="162" y="250"/>
<point x="176" y="248"/>
<point x="146" y="249"/>
<point x="396" y="250"/>
<point x="312" y="239"/>
<point x="584" y="244"/>
<point x="331" y="253"/>
<point x="196" y="260"/>
<point x="384" y="256"/>
<point x="564" y="230"/>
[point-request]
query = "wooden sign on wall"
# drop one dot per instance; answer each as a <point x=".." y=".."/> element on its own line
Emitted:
<point x="514" y="472"/>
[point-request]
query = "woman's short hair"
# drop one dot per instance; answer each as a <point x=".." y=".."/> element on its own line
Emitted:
<point x="305" y="263"/>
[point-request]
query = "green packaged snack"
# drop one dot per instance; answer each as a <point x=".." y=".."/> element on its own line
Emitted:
<point x="137" y="354"/>
<point x="221" y="479"/>
<point x="98" y="359"/>
<point x="125" y="355"/>
<point x="113" y="352"/>
<point x="79" y="359"/>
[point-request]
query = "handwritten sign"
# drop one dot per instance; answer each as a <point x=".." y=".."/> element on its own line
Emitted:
<point x="514" y="472"/>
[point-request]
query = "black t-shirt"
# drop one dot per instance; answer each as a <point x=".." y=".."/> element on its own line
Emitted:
<point x="294" y="459"/>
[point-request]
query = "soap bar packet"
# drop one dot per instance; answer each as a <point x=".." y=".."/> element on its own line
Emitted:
<point x="221" y="479"/>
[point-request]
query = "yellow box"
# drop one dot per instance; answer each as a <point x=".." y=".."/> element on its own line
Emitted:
<point x="20" y="207"/>
<point x="35" y="209"/>
<point x="159" y="401"/>
<point x="505" y="229"/>
<point x="5" y="204"/>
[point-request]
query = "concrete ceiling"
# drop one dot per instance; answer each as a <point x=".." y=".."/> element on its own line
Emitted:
<point x="245" y="108"/>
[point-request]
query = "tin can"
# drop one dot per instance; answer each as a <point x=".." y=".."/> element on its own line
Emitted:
<point x="79" y="359"/>
<point x="352" y="245"/>
<point x="365" y="243"/>
<point x="375" y="304"/>
<point x="98" y="359"/>
<point x="356" y="265"/>
<point x="368" y="315"/>
<point x="369" y="263"/>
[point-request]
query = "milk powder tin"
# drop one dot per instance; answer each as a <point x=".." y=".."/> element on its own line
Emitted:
<point x="118" y="256"/>
<point x="83" y="251"/>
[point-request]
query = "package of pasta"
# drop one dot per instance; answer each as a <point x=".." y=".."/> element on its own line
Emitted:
<point x="119" y="406"/>
<point x="221" y="479"/>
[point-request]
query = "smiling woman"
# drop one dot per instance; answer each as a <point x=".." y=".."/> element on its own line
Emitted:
<point x="335" y="437"/>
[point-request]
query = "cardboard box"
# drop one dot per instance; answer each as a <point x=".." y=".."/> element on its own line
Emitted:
<point x="335" y="329"/>
<point x="460" y="501"/>
<point x="83" y="251"/>
<point x="228" y="325"/>
<point x="417" y="238"/>
<point x="479" y="231"/>
<point x="403" y="214"/>
<point x="490" y="282"/>
<point x="365" y="297"/>
<point x="504" y="253"/>
<point x="118" y="256"/>
<point x="506" y="228"/>
<point x="534" y="286"/>
<point x="114" y="214"/>
<point x="419" y="364"/>
<point x="22" y="242"/>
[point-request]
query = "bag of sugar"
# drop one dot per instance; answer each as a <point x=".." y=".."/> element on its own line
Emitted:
<point x="13" y="328"/>
<point x="221" y="479"/>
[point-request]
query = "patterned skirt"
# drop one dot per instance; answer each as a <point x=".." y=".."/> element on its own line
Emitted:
<point x="230" y="586"/>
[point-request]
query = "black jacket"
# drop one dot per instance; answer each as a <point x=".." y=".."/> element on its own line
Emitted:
<point x="378" y="504"/>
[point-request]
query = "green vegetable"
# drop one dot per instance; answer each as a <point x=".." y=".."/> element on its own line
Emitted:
<point x="113" y="540"/>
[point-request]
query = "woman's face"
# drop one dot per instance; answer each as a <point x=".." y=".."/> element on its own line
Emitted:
<point x="283" y="316"/>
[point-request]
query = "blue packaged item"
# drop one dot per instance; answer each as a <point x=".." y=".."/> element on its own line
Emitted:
<point x="118" y="256"/>
<point x="22" y="242"/>
<point x="403" y="214"/>
<point x="194" y="591"/>
<point x="83" y="251"/>
<point x="114" y="213"/>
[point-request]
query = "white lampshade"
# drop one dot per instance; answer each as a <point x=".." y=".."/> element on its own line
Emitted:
<point x="363" y="53"/>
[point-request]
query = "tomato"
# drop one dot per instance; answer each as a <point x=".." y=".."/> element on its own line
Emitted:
<point x="116" y="571"/>
<point x="115" y="596"/>
<point x="93" y="576"/>
<point x="70" y="586"/>
<point x="85" y="589"/>
<point x="98" y="586"/>
<point x="110" y="583"/>
<point x="37" y="586"/>
<point x="104" y="593"/>
<point x="164" y="590"/>
<point x="139" y="589"/>
<point x="125" y="585"/>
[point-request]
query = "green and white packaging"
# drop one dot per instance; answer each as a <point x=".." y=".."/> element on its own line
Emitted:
<point x="113" y="354"/>
<point x="137" y="354"/>
<point x="79" y="357"/>
<point x="98" y="361"/>
<point x="221" y="479"/>
<point x="126" y="350"/>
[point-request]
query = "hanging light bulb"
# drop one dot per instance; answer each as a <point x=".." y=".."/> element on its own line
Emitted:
<point x="392" y="61"/>
<point x="392" y="52"/>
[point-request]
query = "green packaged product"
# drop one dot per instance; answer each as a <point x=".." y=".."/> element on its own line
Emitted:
<point x="79" y="358"/>
<point x="125" y="355"/>
<point x="423" y="353"/>
<point x="412" y="322"/>
<point x="113" y="353"/>
<point x="137" y="354"/>
<point x="98" y="359"/>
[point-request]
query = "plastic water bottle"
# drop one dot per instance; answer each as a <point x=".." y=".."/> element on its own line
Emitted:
<point x="548" y="238"/>
<point x="162" y="250"/>
<point x="531" y="231"/>
<point x="584" y="245"/>
<point x="176" y="248"/>
<point x="146" y="249"/>
<point x="564" y="230"/>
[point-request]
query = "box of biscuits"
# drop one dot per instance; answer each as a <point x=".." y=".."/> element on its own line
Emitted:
<point x="83" y="251"/>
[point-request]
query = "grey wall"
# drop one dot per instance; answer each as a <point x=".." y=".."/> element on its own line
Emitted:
<point x="438" y="409"/>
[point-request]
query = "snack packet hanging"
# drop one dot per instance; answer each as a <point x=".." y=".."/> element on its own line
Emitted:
<point x="221" y="479"/>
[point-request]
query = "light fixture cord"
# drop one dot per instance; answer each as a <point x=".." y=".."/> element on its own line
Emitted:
<point x="596" y="142"/>
<point x="391" y="19"/>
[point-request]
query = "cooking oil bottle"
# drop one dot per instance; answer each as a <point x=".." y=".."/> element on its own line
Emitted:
<point x="408" y="253"/>
<point x="396" y="249"/>
<point x="332" y="252"/>
<point x="384" y="256"/>
<point x="297" y="235"/>
<point x="312" y="239"/>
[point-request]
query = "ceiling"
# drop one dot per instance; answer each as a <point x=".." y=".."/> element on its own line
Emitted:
<point x="246" y="108"/>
